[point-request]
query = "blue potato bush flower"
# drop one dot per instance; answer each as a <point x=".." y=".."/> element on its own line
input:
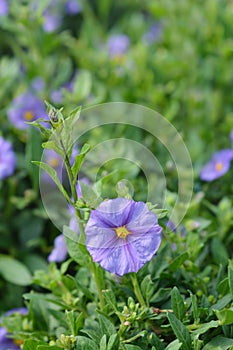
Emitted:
<point x="59" y="252"/>
<point x="7" y="159"/>
<point x="4" y="7"/>
<point x="54" y="13"/>
<point x="26" y="108"/>
<point x="122" y="235"/>
<point x="218" y="165"/>
<point x="118" y="44"/>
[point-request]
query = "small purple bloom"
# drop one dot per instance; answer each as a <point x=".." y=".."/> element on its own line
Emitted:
<point x="118" y="44"/>
<point x="59" y="252"/>
<point x="53" y="159"/>
<point x="122" y="235"/>
<point x="56" y="96"/>
<point x="26" y="108"/>
<point x="153" y="34"/>
<point x="7" y="159"/>
<point x="4" y="7"/>
<point x="73" y="7"/>
<point x="218" y="165"/>
<point x="52" y="21"/>
<point x="38" y="84"/>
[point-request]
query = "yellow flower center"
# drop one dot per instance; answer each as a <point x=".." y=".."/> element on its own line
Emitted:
<point x="54" y="162"/>
<point x="29" y="115"/>
<point x="219" y="166"/>
<point x="122" y="232"/>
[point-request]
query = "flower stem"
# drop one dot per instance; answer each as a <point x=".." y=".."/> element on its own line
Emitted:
<point x="137" y="289"/>
<point x="99" y="280"/>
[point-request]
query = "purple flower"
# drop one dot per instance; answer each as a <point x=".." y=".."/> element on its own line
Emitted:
<point x="118" y="44"/>
<point x="153" y="34"/>
<point x="122" y="235"/>
<point x="4" y="7"/>
<point x="218" y="165"/>
<point x="72" y="7"/>
<point x="5" y="342"/>
<point x="26" y="108"/>
<point x="59" y="252"/>
<point x="38" y="84"/>
<point x="52" y="21"/>
<point x="7" y="159"/>
<point x="57" y="96"/>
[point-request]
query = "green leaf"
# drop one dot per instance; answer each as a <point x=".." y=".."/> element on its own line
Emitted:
<point x="132" y="347"/>
<point x="52" y="145"/>
<point x="89" y="195"/>
<point x="111" y="299"/>
<point x="204" y="327"/>
<point x="230" y="277"/>
<point x="175" y="345"/>
<point x="103" y="342"/>
<point x="221" y="303"/>
<point x="30" y="344"/>
<point x="106" y="326"/>
<point x="33" y="152"/>
<point x="84" y="289"/>
<point x="53" y="174"/>
<point x="219" y="343"/>
<point x="180" y="331"/>
<point x="219" y="251"/>
<point x="46" y="132"/>
<point x="113" y="343"/>
<point x="178" y="261"/>
<point x="82" y="85"/>
<point x="225" y="316"/>
<point x="76" y="250"/>
<point x="14" y="271"/>
<point x="84" y="343"/>
<point x="177" y="304"/>
<point x="147" y="288"/>
<point x="79" y="160"/>
<point x="195" y="308"/>
<point x="156" y="342"/>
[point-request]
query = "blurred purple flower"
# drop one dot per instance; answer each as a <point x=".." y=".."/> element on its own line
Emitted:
<point x="38" y="84"/>
<point x="52" y="21"/>
<point x="118" y="44"/>
<point x="122" y="235"/>
<point x="7" y="159"/>
<point x="4" y="7"/>
<point x="59" y="252"/>
<point x="26" y="108"/>
<point x="57" y="96"/>
<point x="153" y="34"/>
<point x="54" y="13"/>
<point x="73" y="7"/>
<point x="53" y="159"/>
<point x="218" y="165"/>
<point x="5" y="342"/>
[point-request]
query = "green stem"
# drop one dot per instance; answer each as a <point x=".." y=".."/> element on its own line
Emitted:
<point x="137" y="289"/>
<point x="99" y="283"/>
